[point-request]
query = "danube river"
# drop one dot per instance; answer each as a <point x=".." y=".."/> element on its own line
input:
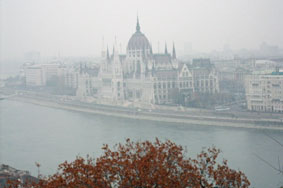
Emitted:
<point x="31" y="133"/>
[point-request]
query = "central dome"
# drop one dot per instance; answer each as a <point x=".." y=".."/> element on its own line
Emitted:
<point x="138" y="41"/>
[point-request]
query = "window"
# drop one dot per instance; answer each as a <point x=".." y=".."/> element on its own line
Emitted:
<point x="155" y="96"/>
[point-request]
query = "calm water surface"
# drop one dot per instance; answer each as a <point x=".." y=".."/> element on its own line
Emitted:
<point x="30" y="133"/>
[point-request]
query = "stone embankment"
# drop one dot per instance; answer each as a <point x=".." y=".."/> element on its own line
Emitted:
<point x="161" y="114"/>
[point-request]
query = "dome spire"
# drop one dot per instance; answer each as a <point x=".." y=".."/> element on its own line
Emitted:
<point x="138" y="28"/>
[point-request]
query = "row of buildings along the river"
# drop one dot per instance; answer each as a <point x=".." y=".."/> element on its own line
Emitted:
<point x="140" y="75"/>
<point x="145" y="77"/>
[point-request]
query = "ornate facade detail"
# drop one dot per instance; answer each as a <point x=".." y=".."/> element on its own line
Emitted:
<point x="143" y="76"/>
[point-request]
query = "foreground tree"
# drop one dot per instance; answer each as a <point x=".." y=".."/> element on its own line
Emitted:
<point x="146" y="164"/>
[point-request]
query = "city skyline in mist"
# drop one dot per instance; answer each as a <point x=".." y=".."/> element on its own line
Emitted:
<point x="76" y="28"/>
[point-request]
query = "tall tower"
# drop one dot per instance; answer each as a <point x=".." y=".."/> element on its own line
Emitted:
<point x="117" y="72"/>
<point x="174" y="58"/>
<point x="137" y="50"/>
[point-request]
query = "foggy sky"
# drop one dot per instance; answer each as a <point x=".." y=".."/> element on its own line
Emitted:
<point x="76" y="27"/>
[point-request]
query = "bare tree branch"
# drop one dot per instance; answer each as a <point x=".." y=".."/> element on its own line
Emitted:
<point x="275" y="140"/>
<point x="269" y="164"/>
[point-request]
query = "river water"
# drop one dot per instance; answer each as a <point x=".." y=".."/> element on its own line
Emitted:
<point x="31" y="133"/>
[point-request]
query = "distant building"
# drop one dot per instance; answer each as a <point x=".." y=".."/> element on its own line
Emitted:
<point x="70" y="77"/>
<point x="263" y="65"/>
<point x="269" y="50"/>
<point x="40" y="74"/>
<point x="50" y="70"/>
<point x="131" y="76"/>
<point x="9" y="173"/>
<point x="32" y="57"/>
<point x="142" y="76"/>
<point x="35" y="76"/>
<point x="264" y="92"/>
<point x="205" y="76"/>
<point x="87" y="81"/>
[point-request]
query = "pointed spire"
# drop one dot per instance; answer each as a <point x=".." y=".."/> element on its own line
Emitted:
<point x="107" y="55"/>
<point x="115" y="47"/>
<point x="115" y="51"/>
<point x="174" y="51"/>
<point x="138" y="28"/>
<point x="166" y="51"/>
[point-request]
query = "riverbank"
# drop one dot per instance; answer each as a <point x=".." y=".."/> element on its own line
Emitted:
<point x="154" y="115"/>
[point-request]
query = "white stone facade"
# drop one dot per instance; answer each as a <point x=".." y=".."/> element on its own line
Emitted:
<point x="265" y="92"/>
<point x="142" y="76"/>
<point x="35" y="76"/>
